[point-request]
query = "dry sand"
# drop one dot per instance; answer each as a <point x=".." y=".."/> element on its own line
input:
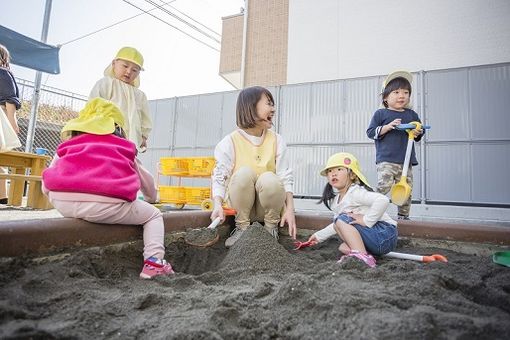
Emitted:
<point x="259" y="289"/>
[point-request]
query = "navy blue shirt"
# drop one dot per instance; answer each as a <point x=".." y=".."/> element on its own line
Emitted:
<point x="391" y="147"/>
<point x="8" y="88"/>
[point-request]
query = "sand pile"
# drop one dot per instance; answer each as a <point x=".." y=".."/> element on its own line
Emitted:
<point x="258" y="251"/>
<point x="284" y="294"/>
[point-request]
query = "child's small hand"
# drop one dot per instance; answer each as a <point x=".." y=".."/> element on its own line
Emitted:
<point x="392" y="125"/>
<point x="144" y="143"/>
<point x="357" y="219"/>
<point x="417" y="132"/>
<point x="313" y="240"/>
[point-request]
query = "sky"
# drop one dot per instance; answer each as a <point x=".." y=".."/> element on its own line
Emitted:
<point x="175" y="64"/>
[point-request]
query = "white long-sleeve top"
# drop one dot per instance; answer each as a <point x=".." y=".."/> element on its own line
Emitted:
<point x="224" y="154"/>
<point x="132" y="103"/>
<point x="358" y="200"/>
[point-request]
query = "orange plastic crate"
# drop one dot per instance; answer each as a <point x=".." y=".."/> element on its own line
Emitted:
<point x="174" y="166"/>
<point x="201" y="166"/>
<point x="195" y="195"/>
<point x="172" y="194"/>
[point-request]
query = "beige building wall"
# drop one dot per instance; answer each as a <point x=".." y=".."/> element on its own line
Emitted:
<point x="231" y="49"/>
<point x="266" y="44"/>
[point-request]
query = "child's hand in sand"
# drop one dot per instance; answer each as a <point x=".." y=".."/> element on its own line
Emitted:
<point x="218" y="209"/>
<point x="313" y="240"/>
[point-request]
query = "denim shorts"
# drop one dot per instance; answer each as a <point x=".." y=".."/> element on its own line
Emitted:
<point x="380" y="239"/>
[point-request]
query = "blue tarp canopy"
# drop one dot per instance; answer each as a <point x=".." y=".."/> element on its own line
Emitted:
<point x="30" y="53"/>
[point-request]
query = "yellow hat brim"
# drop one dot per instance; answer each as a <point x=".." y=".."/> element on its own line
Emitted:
<point x="98" y="117"/>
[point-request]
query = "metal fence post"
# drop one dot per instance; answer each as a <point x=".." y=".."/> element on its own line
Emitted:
<point x="37" y="85"/>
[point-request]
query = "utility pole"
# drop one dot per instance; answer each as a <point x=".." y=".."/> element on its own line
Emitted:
<point x="37" y="83"/>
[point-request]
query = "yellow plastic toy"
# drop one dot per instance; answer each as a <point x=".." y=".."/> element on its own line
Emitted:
<point x="186" y="167"/>
<point x="400" y="191"/>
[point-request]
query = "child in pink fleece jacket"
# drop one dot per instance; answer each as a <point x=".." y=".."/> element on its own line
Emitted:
<point x="95" y="176"/>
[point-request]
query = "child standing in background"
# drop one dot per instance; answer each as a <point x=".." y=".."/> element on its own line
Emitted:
<point x="95" y="176"/>
<point x="9" y="102"/>
<point x="360" y="218"/>
<point x="251" y="172"/>
<point x="390" y="143"/>
<point x="120" y="85"/>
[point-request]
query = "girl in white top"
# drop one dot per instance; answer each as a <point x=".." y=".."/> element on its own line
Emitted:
<point x="360" y="218"/>
<point x="252" y="174"/>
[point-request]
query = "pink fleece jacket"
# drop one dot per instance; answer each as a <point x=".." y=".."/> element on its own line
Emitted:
<point x="101" y="165"/>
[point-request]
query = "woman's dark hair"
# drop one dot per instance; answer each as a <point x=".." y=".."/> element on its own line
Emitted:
<point x="395" y="84"/>
<point x="327" y="196"/>
<point x="246" y="109"/>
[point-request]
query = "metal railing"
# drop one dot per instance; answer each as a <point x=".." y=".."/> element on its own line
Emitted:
<point x="56" y="107"/>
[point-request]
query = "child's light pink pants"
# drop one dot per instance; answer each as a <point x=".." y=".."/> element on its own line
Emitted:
<point x="137" y="212"/>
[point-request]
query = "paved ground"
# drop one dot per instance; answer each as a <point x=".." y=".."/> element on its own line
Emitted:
<point x="435" y="213"/>
<point x="9" y="213"/>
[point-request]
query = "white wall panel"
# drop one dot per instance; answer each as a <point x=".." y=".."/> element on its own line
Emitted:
<point x="491" y="169"/>
<point x="361" y="101"/>
<point x="186" y="124"/>
<point x="294" y="113"/>
<point x="447" y="105"/>
<point x="228" y="114"/>
<point x="466" y="153"/>
<point x="449" y="173"/>
<point x="326" y="113"/>
<point x="208" y="123"/>
<point x="163" y="117"/>
<point x="489" y="94"/>
<point x="307" y="161"/>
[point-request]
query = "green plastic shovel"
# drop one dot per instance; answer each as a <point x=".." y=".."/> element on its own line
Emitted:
<point x="502" y="258"/>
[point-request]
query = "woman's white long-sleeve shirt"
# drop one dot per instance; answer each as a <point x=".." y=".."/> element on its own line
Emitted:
<point x="358" y="200"/>
<point x="224" y="154"/>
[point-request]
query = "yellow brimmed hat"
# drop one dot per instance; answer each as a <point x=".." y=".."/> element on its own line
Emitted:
<point x="130" y="54"/>
<point x="346" y="160"/>
<point x="397" y="74"/>
<point x="98" y="117"/>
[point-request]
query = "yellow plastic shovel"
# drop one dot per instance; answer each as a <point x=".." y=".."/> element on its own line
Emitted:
<point x="400" y="191"/>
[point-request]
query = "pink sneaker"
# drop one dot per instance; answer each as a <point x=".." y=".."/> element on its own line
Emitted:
<point x="365" y="257"/>
<point x="154" y="267"/>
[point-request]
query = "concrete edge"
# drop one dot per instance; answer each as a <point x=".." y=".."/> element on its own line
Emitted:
<point x="43" y="236"/>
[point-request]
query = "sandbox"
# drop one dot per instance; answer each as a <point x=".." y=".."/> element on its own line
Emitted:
<point x="259" y="289"/>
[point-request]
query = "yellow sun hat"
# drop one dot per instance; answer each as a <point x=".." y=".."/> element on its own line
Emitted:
<point x="129" y="54"/>
<point x="397" y="74"/>
<point x="98" y="117"/>
<point x="345" y="160"/>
